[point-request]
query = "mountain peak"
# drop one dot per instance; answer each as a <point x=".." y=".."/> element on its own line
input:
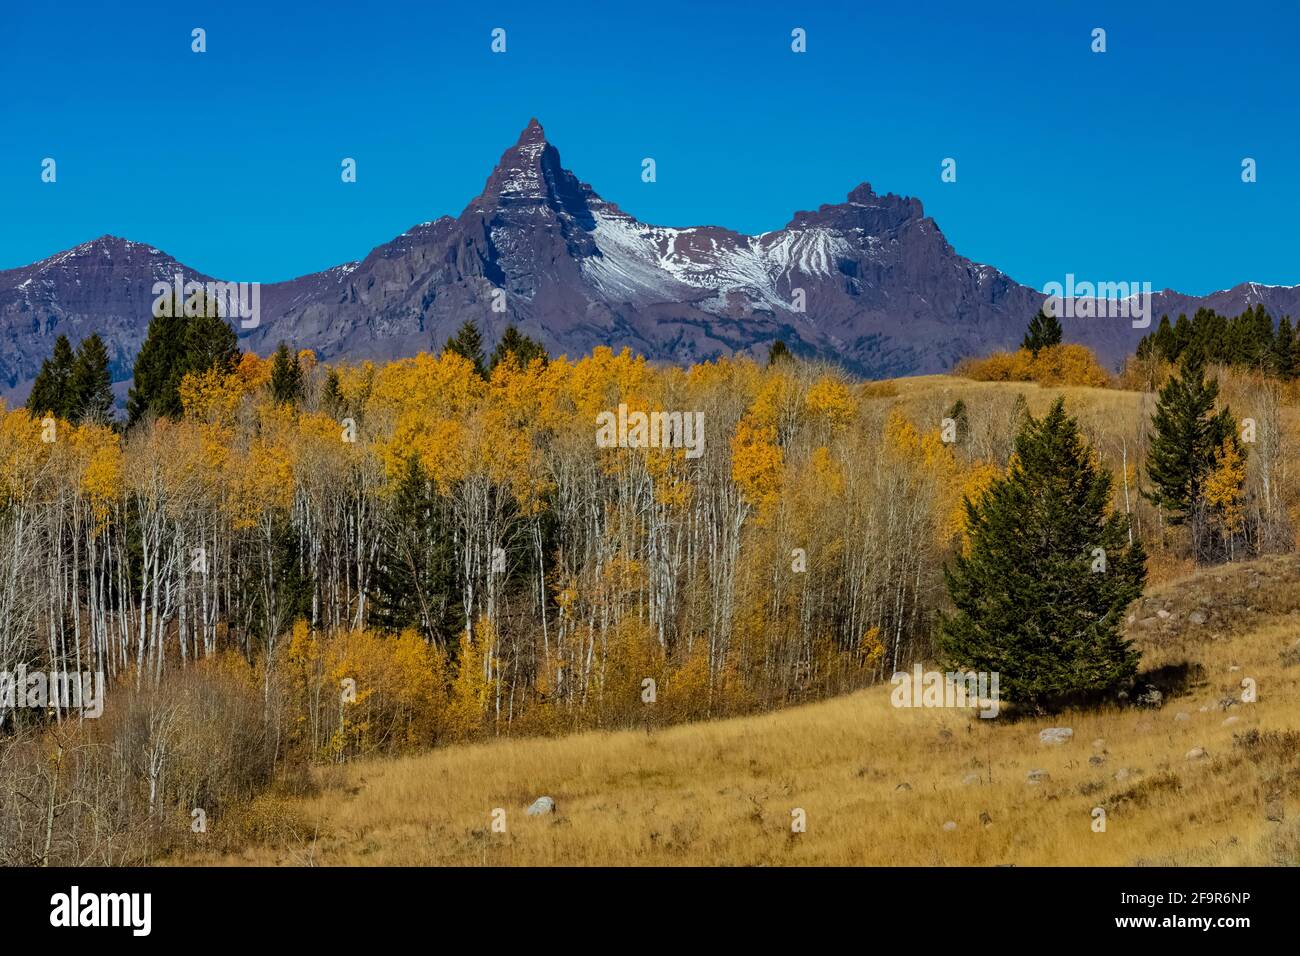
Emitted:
<point x="529" y="174"/>
<point x="533" y="133"/>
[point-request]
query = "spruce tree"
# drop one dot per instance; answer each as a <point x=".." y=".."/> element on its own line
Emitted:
<point x="286" y="376"/>
<point x="174" y="346"/>
<point x="1162" y="339"/>
<point x="961" y="420"/>
<point x="1188" y="435"/>
<point x="1285" y="358"/>
<point x="1040" y="593"/>
<point x="1044" y="331"/>
<point x="91" y="386"/>
<point x="518" y="348"/>
<point x="414" y="581"/>
<point x="468" y="344"/>
<point x="210" y="342"/>
<point x="51" y="391"/>
<point x="778" y="352"/>
<point x="332" y="393"/>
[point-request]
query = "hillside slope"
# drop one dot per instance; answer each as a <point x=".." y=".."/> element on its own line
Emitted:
<point x="879" y="785"/>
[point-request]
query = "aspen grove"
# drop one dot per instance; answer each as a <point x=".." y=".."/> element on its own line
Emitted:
<point x="311" y="563"/>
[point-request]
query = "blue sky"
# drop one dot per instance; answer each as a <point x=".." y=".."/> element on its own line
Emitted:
<point x="1122" y="165"/>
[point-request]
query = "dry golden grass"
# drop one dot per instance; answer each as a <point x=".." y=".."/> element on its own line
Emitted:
<point x="723" y="792"/>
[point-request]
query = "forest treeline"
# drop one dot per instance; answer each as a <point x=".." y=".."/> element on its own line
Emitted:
<point x="277" y="562"/>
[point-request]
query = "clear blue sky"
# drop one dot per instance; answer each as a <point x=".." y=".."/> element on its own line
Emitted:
<point x="1122" y="165"/>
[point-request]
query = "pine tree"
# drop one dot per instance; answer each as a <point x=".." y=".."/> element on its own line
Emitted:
<point x="91" y="386"/>
<point x="468" y="344"/>
<point x="210" y="342"/>
<point x="1285" y="358"/>
<point x="51" y="391"/>
<point x="1041" y="591"/>
<point x="778" y="352"/>
<point x="286" y="376"/>
<point x="1188" y="435"/>
<point x="1044" y="331"/>
<point x="414" y="582"/>
<point x="174" y="346"/>
<point x="518" y="348"/>
<point x="961" y="419"/>
<point x="332" y="393"/>
<point x="1163" y="340"/>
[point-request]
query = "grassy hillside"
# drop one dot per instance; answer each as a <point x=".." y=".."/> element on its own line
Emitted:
<point x="879" y="785"/>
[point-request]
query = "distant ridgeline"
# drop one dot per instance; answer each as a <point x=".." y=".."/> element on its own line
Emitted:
<point x="1248" y="341"/>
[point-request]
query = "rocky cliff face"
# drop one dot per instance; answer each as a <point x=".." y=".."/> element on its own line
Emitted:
<point x="870" y="282"/>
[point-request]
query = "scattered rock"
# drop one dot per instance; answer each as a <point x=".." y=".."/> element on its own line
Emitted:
<point x="904" y="786"/>
<point x="1229" y="721"/>
<point x="1234" y="668"/>
<point x="1037" y="776"/>
<point x="1123" y="773"/>
<point x="1163" y="614"/>
<point x="1198" y="617"/>
<point x="950" y="825"/>
<point x="1197" y="753"/>
<point x="540" y="806"/>
<point x="1182" y="715"/>
<point x="1055" y="735"/>
<point x="1099" y="744"/>
<point x="1151" y="697"/>
<point x="970" y="779"/>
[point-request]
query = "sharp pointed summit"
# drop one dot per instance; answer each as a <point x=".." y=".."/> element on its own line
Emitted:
<point x="869" y="282"/>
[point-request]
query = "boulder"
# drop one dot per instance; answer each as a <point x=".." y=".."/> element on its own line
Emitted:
<point x="1055" y="735"/>
<point x="540" y="807"/>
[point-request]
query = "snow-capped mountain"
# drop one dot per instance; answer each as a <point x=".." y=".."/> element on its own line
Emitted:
<point x="870" y="282"/>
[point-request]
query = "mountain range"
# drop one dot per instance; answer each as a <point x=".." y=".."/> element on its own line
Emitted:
<point x="870" y="283"/>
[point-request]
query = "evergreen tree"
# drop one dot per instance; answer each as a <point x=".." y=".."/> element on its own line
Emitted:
<point x="1163" y="340"/>
<point x="1182" y="338"/>
<point x="286" y="376"/>
<point x="961" y="419"/>
<point x="174" y="346"/>
<point x="468" y="344"/>
<point x="1044" y="331"/>
<point x="1188" y="435"/>
<point x="91" y="386"/>
<point x="778" y="352"/>
<point x="210" y="342"/>
<point x="332" y="394"/>
<point x="1035" y="600"/>
<point x="518" y="348"/>
<point x="51" y="391"/>
<point x="414" y="583"/>
<point x="1285" y="358"/>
